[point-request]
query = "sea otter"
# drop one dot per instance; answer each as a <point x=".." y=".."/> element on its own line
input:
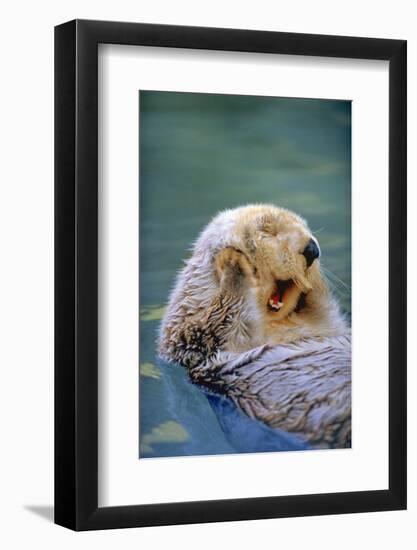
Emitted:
<point x="252" y="316"/>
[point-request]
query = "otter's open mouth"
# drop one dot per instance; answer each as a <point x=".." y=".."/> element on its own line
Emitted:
<point x="277" y="299"/>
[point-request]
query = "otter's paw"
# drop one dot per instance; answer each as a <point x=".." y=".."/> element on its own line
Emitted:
<point x="234" y="269"/>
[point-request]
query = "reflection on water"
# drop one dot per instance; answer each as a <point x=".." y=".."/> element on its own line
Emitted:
<point x="201" y="153"/>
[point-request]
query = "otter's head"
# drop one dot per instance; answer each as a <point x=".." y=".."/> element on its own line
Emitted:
<point x="281" y="249"/>
<point x="253" y="278"/>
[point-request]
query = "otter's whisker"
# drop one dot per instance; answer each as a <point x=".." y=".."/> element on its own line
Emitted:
<point x="302" y="284"/>
<point x="330" y="273"/>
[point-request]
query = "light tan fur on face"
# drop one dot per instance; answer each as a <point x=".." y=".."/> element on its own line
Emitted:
<point x="220" y="301"/>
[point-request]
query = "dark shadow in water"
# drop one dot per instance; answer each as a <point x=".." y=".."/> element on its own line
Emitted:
<point x="45" y="512"/>
<point x="247" y="435"/>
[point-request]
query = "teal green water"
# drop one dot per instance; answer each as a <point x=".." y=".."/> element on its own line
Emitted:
<point x="201" y="153"/>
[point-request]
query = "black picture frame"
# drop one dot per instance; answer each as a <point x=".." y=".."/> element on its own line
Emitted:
<point x="76" y="272"/>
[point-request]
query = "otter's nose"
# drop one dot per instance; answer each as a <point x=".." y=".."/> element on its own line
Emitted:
<point x="311" y="252"/>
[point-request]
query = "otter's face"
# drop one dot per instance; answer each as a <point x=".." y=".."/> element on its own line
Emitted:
<point x="284" y="255"/>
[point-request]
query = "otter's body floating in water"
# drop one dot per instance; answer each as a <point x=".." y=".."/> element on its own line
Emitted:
<point x="251" y="316"/>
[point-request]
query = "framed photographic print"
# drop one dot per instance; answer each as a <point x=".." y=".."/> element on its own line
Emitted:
<point x="230" y="252"/>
